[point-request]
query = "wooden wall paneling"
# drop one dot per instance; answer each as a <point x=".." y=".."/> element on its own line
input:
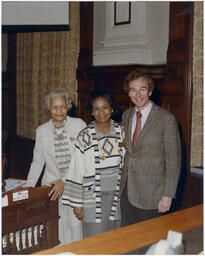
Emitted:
<point x="193" y="191"/>
<point x="172" y="97"/>
<point x="174" y="104"/>
<point x="8" y="126"/>
<point x="85" y="86"/>
<point x="86" y="34"/>
<point x="179" y="63"/>
<point x="85" y="59"/>
<point x="179" y="80"/>
<point x="111" y="78"/>
<point x="9" y="120"/>
<point x="173" y="81"/>
<point x="9" y="89"/>
<point x="5" y="104"/>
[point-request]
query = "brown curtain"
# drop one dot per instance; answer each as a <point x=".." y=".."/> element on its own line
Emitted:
<point x="45" y="60"/>
<point x="197" y="104"/>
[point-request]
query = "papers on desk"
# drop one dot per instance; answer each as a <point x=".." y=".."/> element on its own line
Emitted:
<point x="12" y="184"/>
<point x="4" y="201"/>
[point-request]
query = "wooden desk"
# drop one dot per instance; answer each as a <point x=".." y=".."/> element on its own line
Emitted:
<point x="134" y="236"/>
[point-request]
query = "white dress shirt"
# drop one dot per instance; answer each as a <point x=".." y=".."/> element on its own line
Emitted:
<point x="145" y="112"/>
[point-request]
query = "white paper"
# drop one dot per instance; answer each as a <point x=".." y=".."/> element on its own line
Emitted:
<point x="4" y="201"/>
<point x="20" y="195"/>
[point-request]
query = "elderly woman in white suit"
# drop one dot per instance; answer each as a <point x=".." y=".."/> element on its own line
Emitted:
<point x="53" y="148"/>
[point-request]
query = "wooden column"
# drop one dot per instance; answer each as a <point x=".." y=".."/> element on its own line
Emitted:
<point x="178" y="83"/>
<point x="178" y="94"/>
<point x="85" y="85"/>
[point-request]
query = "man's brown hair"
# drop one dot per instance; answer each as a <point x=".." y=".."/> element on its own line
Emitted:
<point x="135" y="75"/>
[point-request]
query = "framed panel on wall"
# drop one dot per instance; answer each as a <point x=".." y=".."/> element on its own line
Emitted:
<point x="122" y="13"/>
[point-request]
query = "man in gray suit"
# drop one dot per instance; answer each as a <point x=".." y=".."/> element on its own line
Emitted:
<point x="153" y="158"/>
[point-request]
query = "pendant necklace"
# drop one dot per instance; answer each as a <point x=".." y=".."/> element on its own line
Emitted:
<point x="102" y="155"/>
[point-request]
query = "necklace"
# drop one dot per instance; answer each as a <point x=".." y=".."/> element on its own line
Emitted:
<point x="102" y="154"/>
<point x="106" y="148"/>
<point x="61" y="146"/>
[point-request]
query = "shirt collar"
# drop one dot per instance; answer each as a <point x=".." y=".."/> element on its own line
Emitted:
<point x="146" y="109"/>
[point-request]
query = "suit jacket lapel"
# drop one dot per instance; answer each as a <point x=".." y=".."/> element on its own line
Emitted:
<point x="129" y="142"/>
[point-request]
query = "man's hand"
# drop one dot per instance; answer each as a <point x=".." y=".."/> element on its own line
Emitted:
<point x="164" y="204"/>
<point x="57" y="190"/>
<point x="78" y="211"/>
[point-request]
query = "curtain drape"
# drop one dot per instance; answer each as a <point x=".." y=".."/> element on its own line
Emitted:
<point x="45" y="60"/>
<point x="197" y="101"/>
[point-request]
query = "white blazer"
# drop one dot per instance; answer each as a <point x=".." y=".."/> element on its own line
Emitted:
<point x="44" y="151"/>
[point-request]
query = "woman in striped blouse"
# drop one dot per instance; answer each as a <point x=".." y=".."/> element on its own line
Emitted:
<point x="93" y="180"/>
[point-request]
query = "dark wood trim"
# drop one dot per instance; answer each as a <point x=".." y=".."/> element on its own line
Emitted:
<point x="188" y="90"/>
<point x="179" y="71"/>
<point x="9" y="120"/>
<point x="179" y="65"/>
<point x="32" y="28"/>
<point x="107" y="72"/>
<point x="86" y="34"/>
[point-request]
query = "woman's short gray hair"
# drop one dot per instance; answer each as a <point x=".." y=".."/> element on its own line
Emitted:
<point x="55" y="93"/>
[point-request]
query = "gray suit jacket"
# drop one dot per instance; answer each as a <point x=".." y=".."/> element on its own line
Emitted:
<point x="153" y="169"/>
<point x="44" y="151"/>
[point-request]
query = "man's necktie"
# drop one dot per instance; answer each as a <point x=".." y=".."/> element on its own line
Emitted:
<point x="137" y="130"/>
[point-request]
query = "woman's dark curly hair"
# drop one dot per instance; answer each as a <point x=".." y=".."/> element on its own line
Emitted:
<point x="117" y="112"/>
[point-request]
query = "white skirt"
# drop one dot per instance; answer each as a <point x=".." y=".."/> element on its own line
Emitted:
<point x="70" y="228"/>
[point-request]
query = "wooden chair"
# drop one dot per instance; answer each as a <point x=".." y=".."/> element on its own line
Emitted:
<point x="30" y="224"/>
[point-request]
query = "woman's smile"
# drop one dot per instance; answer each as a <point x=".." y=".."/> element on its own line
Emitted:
<point x="102" y="110"/>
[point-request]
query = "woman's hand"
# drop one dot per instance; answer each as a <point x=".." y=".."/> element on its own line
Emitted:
<point x="78" y="211"/>
<point x="57" y="190"/>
